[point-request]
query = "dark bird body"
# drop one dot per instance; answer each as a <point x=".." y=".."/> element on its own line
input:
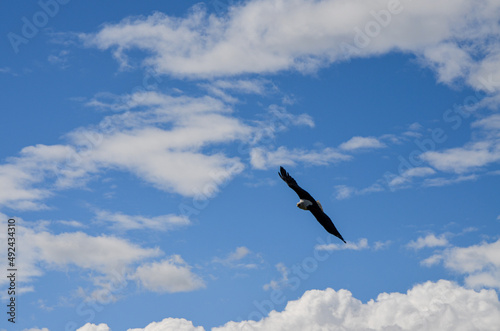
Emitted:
<point x="307" y="202"/>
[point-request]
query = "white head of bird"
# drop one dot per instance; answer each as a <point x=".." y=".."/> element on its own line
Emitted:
<point x="303" y="204"/>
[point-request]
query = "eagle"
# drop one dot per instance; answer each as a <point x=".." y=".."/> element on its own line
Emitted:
<point x="307" y="202"/>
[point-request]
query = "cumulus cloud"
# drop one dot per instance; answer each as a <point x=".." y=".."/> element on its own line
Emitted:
<point x="441" y="305"/>
<point x="429" y="306"/>
<point x="94" y="327"/>
<point x="171" y="324"/>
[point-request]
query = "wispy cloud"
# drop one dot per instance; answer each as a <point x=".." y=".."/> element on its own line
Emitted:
<point x="428" y="241"/>
<point x="356" y="246"/>
<point x="283" y="281"/>
<point x="138" y="222"/>
<point x="242" y="257"/>
<point x="261" y="158"/>
<point x="481" y="151"/>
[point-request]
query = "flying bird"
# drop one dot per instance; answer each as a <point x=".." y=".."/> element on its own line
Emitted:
<point x="307" y="202"/>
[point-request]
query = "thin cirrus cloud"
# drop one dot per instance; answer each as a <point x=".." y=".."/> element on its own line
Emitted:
<point x="303" y="35"/>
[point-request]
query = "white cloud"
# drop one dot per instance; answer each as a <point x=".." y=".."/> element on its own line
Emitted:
<point x="18" y="191"/>
<point x="283" y="281"/>
<point x="440" y="181"/>
<point x="481" y="151"/>
<point x="74" y="224"/>
<point x="382" y="244"/>
<point x="171" y="324"/>
<point x="361" y="244"/>
<point x="235" y="259"/>
<point x="406" y="176"/>
<point x="262" y="158"/>
<point x="94" y="327"/>
<point x="161" y="139"/>
<point x="428" y="241"/>
<point x="463" y="159"/>
<point x="345" y="192"/>
<point x="429" y="306"/>
<point x="162" y="142"/>
<point x="278" y="119"/>
<point x="441" y="305"/>
<point x="170" y="275"/>
<point x="134" y="222"/>
<point x="491" y="122"/>
<point x="269" y="36"/>
<point x="221" y="88"/>
<point x="110" y="260"/>
<point x="361" y="143"/>
<point x="479" y="263"/>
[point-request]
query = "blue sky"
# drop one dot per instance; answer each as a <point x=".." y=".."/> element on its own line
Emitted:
<point x="141" y="144"/>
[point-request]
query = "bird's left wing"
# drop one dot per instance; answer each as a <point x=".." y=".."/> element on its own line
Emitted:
<point x="303" y="194"/>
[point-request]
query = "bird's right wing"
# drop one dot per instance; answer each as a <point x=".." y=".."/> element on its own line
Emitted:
<point x="325" y="221"/>
<point x="303" y="194"/>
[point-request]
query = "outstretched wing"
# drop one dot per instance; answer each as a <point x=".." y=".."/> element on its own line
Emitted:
<point x="293" y="185"/>
<point x="324" y="220"/>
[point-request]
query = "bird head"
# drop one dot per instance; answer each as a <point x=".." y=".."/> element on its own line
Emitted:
<point x="304" y="204"/>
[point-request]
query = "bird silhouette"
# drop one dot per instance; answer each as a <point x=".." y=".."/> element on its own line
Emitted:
<point x="307" y="202"/>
